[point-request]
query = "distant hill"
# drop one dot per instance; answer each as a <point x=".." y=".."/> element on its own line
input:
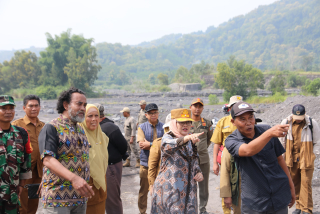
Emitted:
<point x="7" y="55"/>
<point x="283" y="35"/>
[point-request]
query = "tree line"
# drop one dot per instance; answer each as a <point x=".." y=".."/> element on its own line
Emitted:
<point x="69" y="60"/>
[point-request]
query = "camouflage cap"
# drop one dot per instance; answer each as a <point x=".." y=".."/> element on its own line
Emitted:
<point x="6" y="100"/>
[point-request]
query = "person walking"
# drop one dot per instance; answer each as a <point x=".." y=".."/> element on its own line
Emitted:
<point x="229" y="191"/>
<point x="117" y="149"/>
<point x="15" y="158"/>
<point x="142" y="115"/>
<point x="31" y="123"/>
<point x="202" y="125"/>
<point x="266" y="185"/>
<point x="130" y="135"/>
<point x="175" y="188"/>
<point x="147" y="133"/>
<point x="300" y="142"/>
<point x="64" y="151"/>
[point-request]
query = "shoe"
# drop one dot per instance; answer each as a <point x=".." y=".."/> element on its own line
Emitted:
<point x="138" y="163"/>
<point x="205" y="212"/>
<point x="305" y="213"/>
<point x="127" y="163"/>
<point x="297" y="211"/>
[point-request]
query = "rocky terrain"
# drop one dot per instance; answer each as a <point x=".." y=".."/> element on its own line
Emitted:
<point x="270" y="114"/>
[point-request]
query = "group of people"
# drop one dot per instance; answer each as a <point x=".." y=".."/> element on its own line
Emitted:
<point x="77" y="158"/>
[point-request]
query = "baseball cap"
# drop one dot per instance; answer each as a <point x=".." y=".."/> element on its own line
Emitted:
<point x="150" y="107"/>
<point x="197" y="100"/>
<point x="6" y="100"/>
<point x="142" y="102"/>
<point x="298" y="112"/>
<point x="240" y="108"/>
<point x="125" y="109"/>
<point x="234" y="99"/>
<point x="181" y="114"/>
<point x="100" y="108"/>
<point x="168" y="119"/>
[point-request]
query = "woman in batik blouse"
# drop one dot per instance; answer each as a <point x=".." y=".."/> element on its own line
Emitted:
<point x="175" y="188"/>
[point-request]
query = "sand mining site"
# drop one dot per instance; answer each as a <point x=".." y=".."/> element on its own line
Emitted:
<point x="269" y="113"/>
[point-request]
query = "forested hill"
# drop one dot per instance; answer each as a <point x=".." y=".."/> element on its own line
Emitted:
<point x="7" y="55"/>
<point x="283" y="35"/>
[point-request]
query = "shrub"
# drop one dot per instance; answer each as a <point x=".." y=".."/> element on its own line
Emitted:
<point x="213" y="99"/>
<point x="46" y="92"/>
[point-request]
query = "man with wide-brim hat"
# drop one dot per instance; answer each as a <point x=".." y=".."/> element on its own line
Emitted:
<point x="266" y="185"/>
<point x="130" y="129"/>
<point x="222" y="130"/>
<point x="200" y="125"/>
<point x="300" y="143"/>
<point x="15" y="157"/>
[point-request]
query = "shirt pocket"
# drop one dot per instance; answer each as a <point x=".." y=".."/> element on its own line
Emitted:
<point x="20" y="150"/>
<point x="226" y="132"/>
<point x="3" y="153"/>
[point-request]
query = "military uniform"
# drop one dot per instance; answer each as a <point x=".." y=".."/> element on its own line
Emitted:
<point x="31" y="205"/>
<point x="130" y="130"/>
<point x="15" y="162"/>
<point x="142" y="117"/>
<point x="205" y="126"/>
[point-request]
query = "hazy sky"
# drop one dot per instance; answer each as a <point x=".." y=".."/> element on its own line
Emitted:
<point x="24" y="23"/>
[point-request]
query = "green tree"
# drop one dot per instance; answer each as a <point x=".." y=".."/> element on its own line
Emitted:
<point x="163" y="79"/>
<point x="241" y="79"/>
<point x="277" y="83"/>
<point x="307" y="63"/>
<point x="313" y="86"/>
<point x="152" y="79"/>
<point x="68" y="55"/>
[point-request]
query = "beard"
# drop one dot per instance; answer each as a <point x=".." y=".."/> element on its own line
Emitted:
<point x="74" y="116"/>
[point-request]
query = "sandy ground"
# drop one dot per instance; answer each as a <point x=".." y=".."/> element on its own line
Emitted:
<point x="130" y="179"/>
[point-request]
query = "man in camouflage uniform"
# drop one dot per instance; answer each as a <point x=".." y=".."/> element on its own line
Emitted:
<point x="130" y="135"/>
<point x="200" y="125"/>
<point x="142" y="114"/>
<point x="15" y="158"/>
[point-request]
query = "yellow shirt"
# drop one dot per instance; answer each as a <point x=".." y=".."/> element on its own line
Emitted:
<point x="223" y="129"/>
<point x="154" y="161"/>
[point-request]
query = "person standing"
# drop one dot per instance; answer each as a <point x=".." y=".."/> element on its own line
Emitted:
<point x="175" y="188"/>
<point x="31" y="123"/>
<point x="266" y="185"/>
<point x="130" y="135"/>
<point x="228" y="191"/>
<point x="302" y="138"/>
<point x="147" y="133"/>
<point x="202" y="125"/>
<point x="98" y="154"/>
<point x="64" y="151"/>
<point x="142" y="115"/>
<point x="154" y="161"/>
<point x="15" y="158"/>
<point x="117" y="149"/>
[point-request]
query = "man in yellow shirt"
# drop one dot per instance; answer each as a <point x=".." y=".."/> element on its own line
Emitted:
<point x="223" y="129"/>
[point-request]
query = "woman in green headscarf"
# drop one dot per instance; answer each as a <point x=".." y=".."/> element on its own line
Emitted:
<point x="98" y="159"/>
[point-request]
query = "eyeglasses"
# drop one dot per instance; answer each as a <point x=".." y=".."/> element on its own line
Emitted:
<point x="188" y="123"/>
<point x="153" y="113"/>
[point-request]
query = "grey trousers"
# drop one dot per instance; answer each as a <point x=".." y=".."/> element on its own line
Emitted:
<point x="66" y="210"/>
<point x="113" y="201"/>
<point x="204" y="186"/>
<point x="247" y="210"/>
<point x="133" y="148"/>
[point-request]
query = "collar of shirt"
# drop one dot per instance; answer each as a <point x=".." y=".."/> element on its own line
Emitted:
<point x="12" y="129"/>
<point x="27" y="121"/>
<point x="153" y="125"/>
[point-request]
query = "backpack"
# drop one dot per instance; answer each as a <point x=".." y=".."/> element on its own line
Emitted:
<point x="25" y="138"/>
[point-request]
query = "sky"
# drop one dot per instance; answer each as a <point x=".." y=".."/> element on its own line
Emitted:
<point x="24" y="23"/>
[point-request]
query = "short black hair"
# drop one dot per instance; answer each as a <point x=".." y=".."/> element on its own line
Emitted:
<point x="30" y="97"/>
<point x="65" y="96"/>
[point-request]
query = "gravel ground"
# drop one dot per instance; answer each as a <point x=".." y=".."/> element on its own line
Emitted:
<point x="270" y="114"/>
